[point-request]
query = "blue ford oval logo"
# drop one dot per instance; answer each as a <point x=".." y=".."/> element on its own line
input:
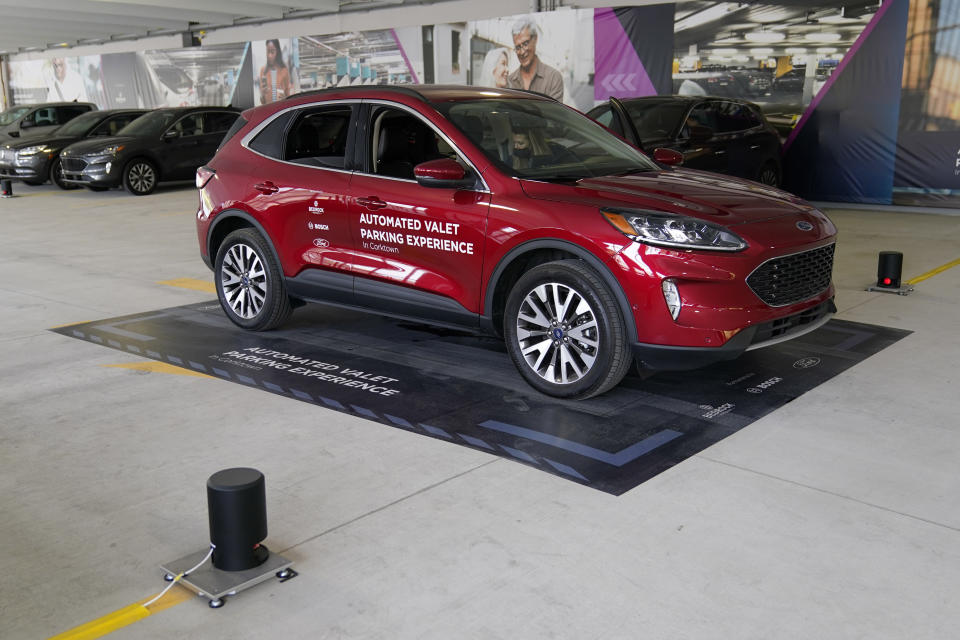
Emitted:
<point x="558" y="333"/>
<point x="803" y="225"/>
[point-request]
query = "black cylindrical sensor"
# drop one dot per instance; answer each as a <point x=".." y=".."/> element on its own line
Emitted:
<point x="237" y="505"/>
<point x="889" y="268"/>
<point x="6" y="188"/>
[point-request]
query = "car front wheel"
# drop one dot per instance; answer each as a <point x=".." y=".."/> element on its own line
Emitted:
<point x="250" y="283"/>
<point x="564" y="331"/>
<point x="140" y="177"/>
<point x="56" y="176"/>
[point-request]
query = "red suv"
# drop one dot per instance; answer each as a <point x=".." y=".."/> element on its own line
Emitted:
<point x="506" y="212"/>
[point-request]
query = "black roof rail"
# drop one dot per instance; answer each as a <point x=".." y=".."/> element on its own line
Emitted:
<point x="404" y="89"/>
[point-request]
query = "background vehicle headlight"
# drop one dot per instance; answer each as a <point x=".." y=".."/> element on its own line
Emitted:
<point x="112" y="150"/>
<point x="668" y="230"/>
<point x="32" y="151"/>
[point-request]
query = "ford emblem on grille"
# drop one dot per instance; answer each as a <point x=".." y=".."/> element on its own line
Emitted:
<point x="803" y="225"/>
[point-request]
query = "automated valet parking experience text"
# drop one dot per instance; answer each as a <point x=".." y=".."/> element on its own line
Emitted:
<point x="258" y="358"/>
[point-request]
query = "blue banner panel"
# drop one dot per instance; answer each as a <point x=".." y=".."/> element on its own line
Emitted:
<point x="845" y="147"/>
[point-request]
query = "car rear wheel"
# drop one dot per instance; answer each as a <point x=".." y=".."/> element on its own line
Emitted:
<point x="769" y="174"/>
<point x="250" y="283"/>
<point x="140" y="177"/>
<point x="56" y="176"/>
<point x="564" y="331"/>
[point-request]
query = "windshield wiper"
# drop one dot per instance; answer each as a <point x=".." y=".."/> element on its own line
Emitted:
<point x="559" y="177"/>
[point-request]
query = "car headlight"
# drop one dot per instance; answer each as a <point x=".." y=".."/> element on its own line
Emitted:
<point x="669" y="230"/>
<point x="112" y="150"/>
<point x="34" y="150"/>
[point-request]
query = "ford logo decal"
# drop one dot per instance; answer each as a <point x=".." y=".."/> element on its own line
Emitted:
<point x="803" y="225"/>
<point x="320" y="242"/>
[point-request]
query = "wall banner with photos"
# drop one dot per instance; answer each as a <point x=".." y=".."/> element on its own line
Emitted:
<point x="864" y="94"/>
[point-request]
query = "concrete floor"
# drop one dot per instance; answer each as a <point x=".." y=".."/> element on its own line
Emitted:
<point x="837" y="516"/>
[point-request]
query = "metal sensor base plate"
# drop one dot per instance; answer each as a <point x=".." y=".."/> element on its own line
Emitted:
<point x="213" y="584"/>
<point x="900" y="291"/>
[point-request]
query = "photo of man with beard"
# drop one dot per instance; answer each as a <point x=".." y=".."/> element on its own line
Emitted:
<point x="533" y="74"/>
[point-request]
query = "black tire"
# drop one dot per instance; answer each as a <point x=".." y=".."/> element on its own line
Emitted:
<point x="250" y="283"/>
<point x="564" y="335"/>
<point x="140" y="177"/>
<point x="769" y="174"/>
<point x="96" y="189"/>
<point x="56" y="176"/>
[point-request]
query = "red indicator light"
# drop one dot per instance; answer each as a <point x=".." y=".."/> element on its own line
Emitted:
<point x="887" y="281"/>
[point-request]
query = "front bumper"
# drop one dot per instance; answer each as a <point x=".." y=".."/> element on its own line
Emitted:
<point x="33" y="167"/>
<point x="97" y="170"/>
<point x="670" y="358"/>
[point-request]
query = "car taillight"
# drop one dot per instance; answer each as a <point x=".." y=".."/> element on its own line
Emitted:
<point x="203" y="176"/>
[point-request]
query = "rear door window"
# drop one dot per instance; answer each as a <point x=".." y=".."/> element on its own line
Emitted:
<point x="318" y="137"/>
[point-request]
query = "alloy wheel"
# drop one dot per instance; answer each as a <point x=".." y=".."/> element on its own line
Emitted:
<point x="244" y="280"/>
<point x="558" y="333"/>
<point x="142" y="177"/>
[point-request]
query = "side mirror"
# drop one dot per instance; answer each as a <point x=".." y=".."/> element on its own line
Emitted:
<point x="668" y="157"/>
<point x="699" y="133"/>
<point x="170" y="134"/>
<point x="443" y="173"/>
<point x="27" y="124"/>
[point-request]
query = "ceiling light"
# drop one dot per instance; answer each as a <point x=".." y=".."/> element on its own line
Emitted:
<point x="765" y="36"/>
<point x="724" y="52"/>
<point x="823" y="36"/>
<point x="761" y="52"/>
<point x="795" y="51"/>
<point x="826" y="50"/>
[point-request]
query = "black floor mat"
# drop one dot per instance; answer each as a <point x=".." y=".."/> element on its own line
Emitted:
<point x="464" y="389"/>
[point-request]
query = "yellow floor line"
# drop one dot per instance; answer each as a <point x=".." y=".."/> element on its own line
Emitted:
<point x="930" y="274"/>
<point x="69" y="324"/>
<point x="125" y="616"/>
<point x="191" y="283"/>
<point x="152" y="366"/>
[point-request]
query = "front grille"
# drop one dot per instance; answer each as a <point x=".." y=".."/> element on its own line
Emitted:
<point x="73" y="165"/>
<point x="789" y="279"/>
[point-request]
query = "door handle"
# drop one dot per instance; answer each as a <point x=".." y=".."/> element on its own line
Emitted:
<point x="371" y="202"/>
<point x="266" y="188"/>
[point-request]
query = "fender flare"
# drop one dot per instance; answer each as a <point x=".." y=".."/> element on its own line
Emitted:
<point x="555" y="243"/>
<point x="230" y="214"/>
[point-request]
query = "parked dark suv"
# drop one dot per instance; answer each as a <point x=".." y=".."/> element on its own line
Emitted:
<point x="37" y="158"/>
<point x="507" y="212"/>
<point x="724" y="135"/>
<point x="39" y="119"/>
<point x="165" y="144"/>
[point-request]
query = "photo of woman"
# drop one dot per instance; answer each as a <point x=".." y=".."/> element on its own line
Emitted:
<point x="274" y="76"/>
<point x="495" y="68"/>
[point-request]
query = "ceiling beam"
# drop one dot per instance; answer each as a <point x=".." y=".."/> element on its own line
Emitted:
<point x="194" y="14"/>
<point x="227" y="7"/>
<point x="44" y="17"/>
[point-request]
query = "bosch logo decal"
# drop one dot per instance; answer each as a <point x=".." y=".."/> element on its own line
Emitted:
<point x="318" y="226"/>
<point x="806" y="363"/>
<point x="321" y="242"/>
<point x="766" y="384"/>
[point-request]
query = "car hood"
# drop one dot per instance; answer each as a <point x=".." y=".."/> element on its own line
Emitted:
<point x="715" y="198"/>
<point x="93" y="146"/>
<point x="57" y="142"/>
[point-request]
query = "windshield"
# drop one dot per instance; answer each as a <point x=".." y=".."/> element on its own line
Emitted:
<point x="10" y="115"/>
<point x="655" y="119"/>
<point x="80" y="125"/>
<point x="151" y="124"/>
<point x="543" y="140"/>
